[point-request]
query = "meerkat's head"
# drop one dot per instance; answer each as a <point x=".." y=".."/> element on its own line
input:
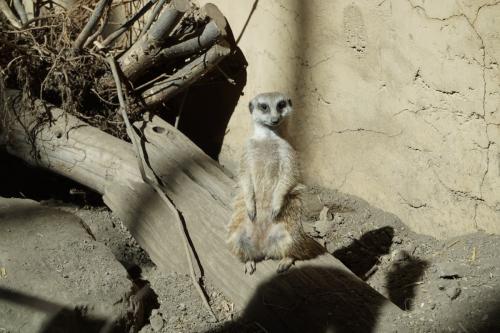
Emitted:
<point x="269" y="109"/>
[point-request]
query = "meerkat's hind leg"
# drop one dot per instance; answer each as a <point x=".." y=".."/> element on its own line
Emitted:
<point x="250" y="267"/>
<point x="285" y="264"/>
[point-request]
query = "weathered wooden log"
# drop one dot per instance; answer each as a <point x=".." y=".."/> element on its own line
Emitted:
<point x="148" y="52"/>
<point x="202" y="193"/>
<point x="159" y="92"/>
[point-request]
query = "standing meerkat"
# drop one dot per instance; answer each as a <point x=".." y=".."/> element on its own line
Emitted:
<point x="266" y="222"/>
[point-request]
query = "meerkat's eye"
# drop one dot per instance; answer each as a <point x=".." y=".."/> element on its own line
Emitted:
<point x="264" y="107"/>
<point x="281" y="105"/>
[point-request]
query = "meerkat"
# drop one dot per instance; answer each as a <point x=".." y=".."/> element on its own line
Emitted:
<point x="266" y="221"/>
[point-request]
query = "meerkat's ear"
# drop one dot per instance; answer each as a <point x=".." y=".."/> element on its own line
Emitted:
<point x="250" y="106"/>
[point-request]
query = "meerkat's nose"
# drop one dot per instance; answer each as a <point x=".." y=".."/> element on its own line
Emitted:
<point x="274" y="120"/>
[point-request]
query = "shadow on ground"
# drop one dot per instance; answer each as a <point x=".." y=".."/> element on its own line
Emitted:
<point x="364" y="253"/>
<point x="335" y="302"/>
<point x="61" y="319"/>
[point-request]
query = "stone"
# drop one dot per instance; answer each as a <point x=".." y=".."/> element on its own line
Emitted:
<point x="399" y="255"/>
<point x="322" y="227"/>
<point x="450" y="270"/>
<point x="43" y="244"/>
<point x="453" y="292"/>
<point x="331" y="247"/>
<point x="156" y="322"/>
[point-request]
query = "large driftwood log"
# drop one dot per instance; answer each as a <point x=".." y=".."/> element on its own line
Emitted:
<point x="320" y="294"/>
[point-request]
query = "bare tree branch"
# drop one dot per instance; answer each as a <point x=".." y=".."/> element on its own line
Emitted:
<point x="125" y="26"/>
<point x="163" y="90"/>
<point x="91" y="24"/>
<point x="209" y="36"/>
<point x="21" y="12"/>
<point x="158" y="32"/>
<point x="152" y="17"/>
<point x="5" y="9"/>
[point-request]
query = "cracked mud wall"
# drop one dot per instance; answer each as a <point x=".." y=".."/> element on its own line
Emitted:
<point x="397" y="101"/>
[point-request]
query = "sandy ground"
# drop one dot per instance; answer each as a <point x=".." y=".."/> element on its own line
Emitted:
<point x="442" y="286"/>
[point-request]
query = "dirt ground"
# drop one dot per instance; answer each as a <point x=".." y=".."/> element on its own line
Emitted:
<point x="442" y="286"/>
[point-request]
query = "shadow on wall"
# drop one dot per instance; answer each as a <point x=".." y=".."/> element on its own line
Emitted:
<point x="206" y="107"/>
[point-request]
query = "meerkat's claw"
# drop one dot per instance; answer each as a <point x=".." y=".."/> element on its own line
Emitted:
<point x="276" y="208"/>
<point x="274" y="214"/>
<point x="250" y="267"/>
<point x="251" y="214"/>
<point x="285" y="264"/>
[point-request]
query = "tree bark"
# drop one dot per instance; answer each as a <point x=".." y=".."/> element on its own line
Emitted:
<point x="159" y="92"/>
<point x="147" y="52"/>
<point x="202" y="192"/>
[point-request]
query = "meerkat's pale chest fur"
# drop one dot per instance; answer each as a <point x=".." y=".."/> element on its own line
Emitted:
<point x="266" y="222"/>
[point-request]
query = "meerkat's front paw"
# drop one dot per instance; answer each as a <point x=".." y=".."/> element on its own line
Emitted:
<point x="285" y="264"/>
<point x="276" y="208"/>
<point x="250" y="267"/>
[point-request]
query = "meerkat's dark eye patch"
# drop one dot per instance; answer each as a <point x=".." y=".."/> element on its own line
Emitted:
<point x="264" y="107"/>
<point x="290" y="102"/>
<point x="281" y="105"/>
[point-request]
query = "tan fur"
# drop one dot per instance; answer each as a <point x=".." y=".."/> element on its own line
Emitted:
<point x="269" y="181"/>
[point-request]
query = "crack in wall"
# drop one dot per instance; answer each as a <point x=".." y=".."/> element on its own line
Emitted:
<point x="316" y="138"/>
<point x="418" y="77"/>
<point x="412" y="204"/>
<point x="482" y="116"/>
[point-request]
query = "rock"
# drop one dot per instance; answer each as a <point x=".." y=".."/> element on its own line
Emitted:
<point x="397" y="240"/>
<point x="331" y="247"/>
<point x="182" y="307"/>
<point x="309" y="229"/>
<point x="338" y="219"/>
<point x="51" y="261"/>
<point x="450" y="270"/>
<point x="453" y="292"/>
<point x="325" y="214"/>
<point x="156" y="322"/>
<point x="322" y="227"/>
<point x="399" y="255"/>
